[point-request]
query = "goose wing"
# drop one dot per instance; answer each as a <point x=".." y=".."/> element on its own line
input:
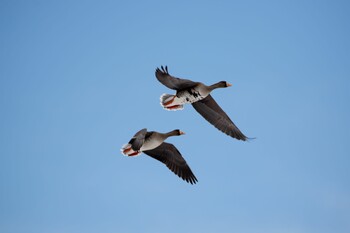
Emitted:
<point x="213" y="113"/>
<point x="138" y="139"/>
<point x="171" y="82"/>
<point x="172" y="158"/>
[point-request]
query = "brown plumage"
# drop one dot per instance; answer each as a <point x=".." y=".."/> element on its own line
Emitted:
<point x="198" y="94"/>
<point x="152" y="144"/>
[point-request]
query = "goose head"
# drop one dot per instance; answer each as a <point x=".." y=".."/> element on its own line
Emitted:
<point x="221" y="84"/>
<point x="178" y="132"/>
<point x="224" y="84"/>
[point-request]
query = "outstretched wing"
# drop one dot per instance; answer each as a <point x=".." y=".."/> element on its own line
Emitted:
<point x="171" y="82"/>
<point x="138" y="139"/>
<point x="212" y="112"/>
<point x="171" y="157"/>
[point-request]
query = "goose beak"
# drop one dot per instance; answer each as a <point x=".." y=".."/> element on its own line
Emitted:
<point x="228" y="84"/>
<point x="181" y="132"/>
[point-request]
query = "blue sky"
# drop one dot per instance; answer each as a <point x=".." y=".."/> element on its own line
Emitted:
<point x="77" y="81"/>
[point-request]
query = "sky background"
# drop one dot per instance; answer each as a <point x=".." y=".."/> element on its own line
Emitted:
<point x="77" y="81"/>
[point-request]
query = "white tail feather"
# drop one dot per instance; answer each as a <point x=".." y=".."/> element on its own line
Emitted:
<point x="126" y="150"/>
<point x="164" y="98"/>
<point x="126" y="146"/>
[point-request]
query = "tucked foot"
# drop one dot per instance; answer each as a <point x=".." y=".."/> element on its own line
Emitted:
<point x="128" y="151"/>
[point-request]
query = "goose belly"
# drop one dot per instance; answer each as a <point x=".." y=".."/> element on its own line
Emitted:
<point x="150" y="145"/>
<point x="190" y="96"/>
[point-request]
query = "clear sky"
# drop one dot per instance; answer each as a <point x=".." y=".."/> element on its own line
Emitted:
<point x="77" y="81"/>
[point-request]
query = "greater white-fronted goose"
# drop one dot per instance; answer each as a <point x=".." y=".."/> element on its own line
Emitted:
<point x="152" y="144"/>
<point x="198" y="94"/>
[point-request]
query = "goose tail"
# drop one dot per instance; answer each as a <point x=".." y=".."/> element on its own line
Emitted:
<point x="168" y="102"/>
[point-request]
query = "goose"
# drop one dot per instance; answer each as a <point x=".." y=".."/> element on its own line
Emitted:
<point x="197" y="94"/>
<point x="152" y="144"/>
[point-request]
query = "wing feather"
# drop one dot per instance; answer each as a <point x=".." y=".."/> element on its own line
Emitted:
<point x="172" y="158"/>
<point x="138" y="139"/>
<point x="214" y="114"/>
<point x="172" y="82"/>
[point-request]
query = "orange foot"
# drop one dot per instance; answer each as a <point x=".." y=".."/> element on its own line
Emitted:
<point x="173" y="107"/>
<point x="126" y="150"/>
<point x="135" y="153"/>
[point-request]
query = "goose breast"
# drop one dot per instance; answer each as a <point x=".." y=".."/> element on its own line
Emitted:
<point x="193" y="94"/>
<point x="151" y="143"/>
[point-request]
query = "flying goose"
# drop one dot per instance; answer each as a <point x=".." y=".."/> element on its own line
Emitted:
<point x="198" y="94"/>
<point x="152" y="144"/>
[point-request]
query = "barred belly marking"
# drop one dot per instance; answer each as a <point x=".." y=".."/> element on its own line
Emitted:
<point x="189" y="96"/>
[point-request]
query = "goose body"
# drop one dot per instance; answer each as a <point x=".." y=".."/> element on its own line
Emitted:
<point x="197" y="94"/>
<point x="188" y="96"/>
<point x="152" y="144"/>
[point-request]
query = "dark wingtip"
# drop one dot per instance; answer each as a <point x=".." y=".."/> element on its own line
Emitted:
<point x="237" y="134"/>
<point x="164" y="69"/>
<point x="188" y="176"/>
<point x="191" y="179"/>
<point x="242" y="137"/>
<point x="249" y="139"/>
